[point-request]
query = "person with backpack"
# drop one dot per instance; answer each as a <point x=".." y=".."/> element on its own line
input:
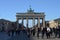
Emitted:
<point x="48" y="32"/>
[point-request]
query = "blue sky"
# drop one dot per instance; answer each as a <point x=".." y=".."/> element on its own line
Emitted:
<point x="9" y="8"/>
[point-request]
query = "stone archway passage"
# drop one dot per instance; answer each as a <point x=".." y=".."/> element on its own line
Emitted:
<point x="30" y="14"/>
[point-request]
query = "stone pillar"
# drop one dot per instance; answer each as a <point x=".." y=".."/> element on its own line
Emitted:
<point x="22" y="22"/>
<point x="33" y="21"/>
<point x="38" y="21"/>
<point x="27" y="22"/>
<point x="43" y="22"/>
<point x="17" y="22"/>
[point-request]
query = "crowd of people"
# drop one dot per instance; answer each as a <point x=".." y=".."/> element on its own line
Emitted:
<point x="44" y="31"/>
<point x="47" y="32"/>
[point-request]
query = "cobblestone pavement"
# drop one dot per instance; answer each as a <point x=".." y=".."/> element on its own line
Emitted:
<point x="45" y="38"/>
<point x="3" y="36"/>
<point x="22" y="36"/>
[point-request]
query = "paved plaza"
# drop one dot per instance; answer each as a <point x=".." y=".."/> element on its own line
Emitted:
<point x="23" y="36"/>
<point x="40" y="38"/>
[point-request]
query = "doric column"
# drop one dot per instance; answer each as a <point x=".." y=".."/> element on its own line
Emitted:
<point x="43" y="22"/>
<point x="22" y="21"/>
<point x="27" y="22"/>
<point x="17" y="22"/>
<point x="38" y="21"/>
<point x="34" y="21"/>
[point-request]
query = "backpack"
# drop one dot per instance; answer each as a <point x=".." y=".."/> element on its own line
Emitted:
<point x="48" y="29"/>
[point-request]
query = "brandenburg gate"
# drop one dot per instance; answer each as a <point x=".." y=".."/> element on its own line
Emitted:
<point x="30" y="14"/>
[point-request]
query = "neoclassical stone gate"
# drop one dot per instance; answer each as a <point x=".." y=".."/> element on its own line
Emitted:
<point x="30" y="14"/>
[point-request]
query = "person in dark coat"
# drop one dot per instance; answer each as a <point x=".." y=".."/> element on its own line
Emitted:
<point x="43" y="31"/>
<point x="33" y="32"/>
<point x="59" y="31"/>
<point x="56" y="31"/>
<point x="17" y="31"/>
<point x="8" y="32"/>
<point x="38" y="32"/>
<point x="12" y="31"/>
<point x="28" y="32"/>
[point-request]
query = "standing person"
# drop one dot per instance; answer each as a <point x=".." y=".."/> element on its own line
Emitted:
<point x="17" y="31"/>
<point x="12" y="31"/>
<point x="38" y="32"/>
<point x="33" y="32"/>
<point x="59" y="31"/>
<point x="8" y="32"/>
<point x="56" y="31"/>
<point x="51" y="32"/>
<point x="48" y="32"/>
<point x="43" y="31"/>
<point x="28" y="32"/>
